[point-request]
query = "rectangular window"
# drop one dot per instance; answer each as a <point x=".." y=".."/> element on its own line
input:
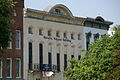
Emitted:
<point x="79" y="56"/>
<point x="65" y="35"/>
<point x="72" y="36"/>
<point x="10" y="45"/>
<point x="30" y="55"/>
<point x="49" y="58"/>
<point x="41" y="55"/>
<point x="49" y="33"/>
<point x="65" y="61"/>
<point x="9" y="67"/>
<point x="18" y="67"/>
<point x="10" y="42"/>
<point x="72" y="56"/>
<point x="30" y="30"/>
<point x="18" y="38"/>
<point x="0" y="68"/>
<point x="40" y="32"/>
<point x="57" y="34"/>
<point x="58" y="62"/>
<point x="87" y="41"/>
<point x="78" y="36"/>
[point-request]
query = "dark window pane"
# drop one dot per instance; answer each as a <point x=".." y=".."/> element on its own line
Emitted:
<point x="40" y="55"/>
<point x="30" y="55"/>
<point x="58" y="62"/>
<point x="72" y="56"/>
<point x="49" y="58"/>
<point x="65" y="61"/>
<point x="17" y="67"/>
<point x="8" y="68"/>
<point x="79" y="56"/>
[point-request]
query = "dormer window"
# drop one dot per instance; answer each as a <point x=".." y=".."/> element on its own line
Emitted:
<point x="57" y="11"/>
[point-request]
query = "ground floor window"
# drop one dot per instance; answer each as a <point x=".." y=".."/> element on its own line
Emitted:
<point x="9" y="67"/>
<point x="58" y="62"/>
<point x="65" y="61"/>
<point x="18" y="67"/>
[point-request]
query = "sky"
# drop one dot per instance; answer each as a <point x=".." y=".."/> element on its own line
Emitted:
<point x="108" y="9"/>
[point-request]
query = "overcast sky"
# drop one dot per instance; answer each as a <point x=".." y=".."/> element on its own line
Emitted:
<point x="108" y="9"/>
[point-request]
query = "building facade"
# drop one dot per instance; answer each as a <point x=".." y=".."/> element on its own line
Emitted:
<point x="11" y="61"/>
<point x="50" y="38"/>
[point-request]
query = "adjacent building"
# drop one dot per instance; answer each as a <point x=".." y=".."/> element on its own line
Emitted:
<point x="94" y="28"/>
<point x="50" y="38"/>
<point x="11" y="61"/>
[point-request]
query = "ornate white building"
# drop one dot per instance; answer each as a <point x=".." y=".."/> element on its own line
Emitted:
<point x="51" y="37"/>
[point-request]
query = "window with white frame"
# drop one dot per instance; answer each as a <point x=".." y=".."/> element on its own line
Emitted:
<point x="10" y="45"/>
<point x="10" y="42"/>
<point x="14" y="13"/>
<point x="18" y="67"/>
<point x="30" y="30"/>
<point x="9" y="67"/>
<point x="18" y="39"/>
<point x="0" y="67"/>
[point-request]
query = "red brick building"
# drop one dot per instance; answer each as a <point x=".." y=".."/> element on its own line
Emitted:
<point x="11" y="61"/>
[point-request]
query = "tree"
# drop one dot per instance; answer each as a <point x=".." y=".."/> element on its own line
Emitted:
<point x="98" y="62"/>
<point x="6" y="7"/>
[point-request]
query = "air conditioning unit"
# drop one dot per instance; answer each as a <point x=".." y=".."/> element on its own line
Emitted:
<point x="54" y="68"/>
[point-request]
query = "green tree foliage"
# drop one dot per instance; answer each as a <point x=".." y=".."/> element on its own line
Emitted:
<point x="115" y="73"/>
<point x="99" y="61"/>
<point x="6" y="7"/>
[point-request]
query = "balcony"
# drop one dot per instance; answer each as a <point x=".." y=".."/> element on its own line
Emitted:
<point x="34" y="67"/>
<point x="43" y="67"/>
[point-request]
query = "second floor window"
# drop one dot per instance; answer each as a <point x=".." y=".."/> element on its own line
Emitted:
<point x="30" y="30"/>
<point x="10" y="42"/>
<point x="40" y="32"/>
<point x="18" y="38"/>
<point x="49" y="33"/>
<point x="57" y="34"/>
<point x="78" y="36"/>
<point x="65" y="35"/>
<point x="72" y="36"/>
